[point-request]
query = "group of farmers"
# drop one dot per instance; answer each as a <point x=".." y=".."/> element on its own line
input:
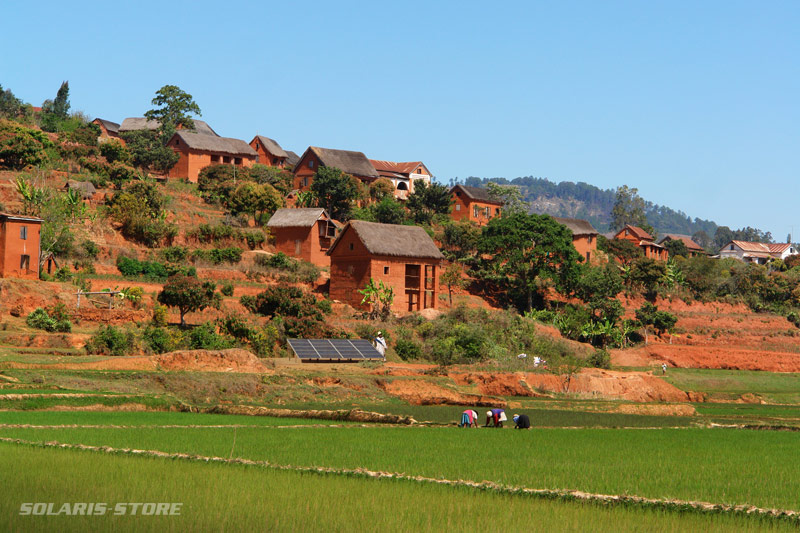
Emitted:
<point x="494" y="418"/>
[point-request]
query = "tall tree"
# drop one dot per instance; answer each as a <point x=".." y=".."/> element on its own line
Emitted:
<point x="427" y="201"/>
<point x="61" y="103"/>
<point x="174" y="108"/>
<point x="188" y="294"/>
<point x="510" y="196"/>
<point x="336" y="191"/>
<point x="55" y="112"/>
<point x="527" y="252"/>
<point x="629" y="208"/>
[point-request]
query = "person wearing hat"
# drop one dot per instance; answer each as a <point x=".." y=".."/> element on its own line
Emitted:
<point x="380" y="344"/>
<point x="521" y="422"/>
<point x="495" y="417"/>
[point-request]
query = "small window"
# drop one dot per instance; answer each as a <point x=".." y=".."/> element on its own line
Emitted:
<point x="226" y="159"/>
<point x="237" y="161"/>
<point x="385" y="271"/>
<point x="256" y="145"/>
<point x="588" y="256"/>
<point x="458" y="207"/>
<point x="23" y="232"/>
<point x="626" y="233"/>
<point x="589" y="239"/>
<point x="496" y="211"/>
<point x="215" y="159"/>
<point x="731" y="247"/>
<point x="311" y="164"/>
<point x="305" y="182"/>
<point x="25" y="262"/>
<point x="351" y="246"/>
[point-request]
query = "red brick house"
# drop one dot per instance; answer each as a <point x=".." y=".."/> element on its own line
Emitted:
<point x="269" y="152"/>
<point x="475" y="204"/>
<point x="197" y="151"/>
<point x="305" y="233"/>
<point x="693" y="248"/>
<point x="402" y="175"/>
<point x="19" y="246"/>
<point x="402" y="257"/>
<point x="108" y="129"/>
<point x="354" y="163"/>
<point x="584" y="236"/>
<point x="643" y="240"/>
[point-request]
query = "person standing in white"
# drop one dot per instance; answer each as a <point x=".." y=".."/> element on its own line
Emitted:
<point x="380" y="345"/>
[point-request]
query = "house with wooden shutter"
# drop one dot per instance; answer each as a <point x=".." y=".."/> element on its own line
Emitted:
<point x="643" y="240"/>
<point x="404" y="258"/>
<point x="198" y="150"/>
<point x="268" y="152"/>
<point x="354" y="163"/>
<point x="19" y="246"/>
<point x="304" y="233"/>
<point x="475" y="204"/>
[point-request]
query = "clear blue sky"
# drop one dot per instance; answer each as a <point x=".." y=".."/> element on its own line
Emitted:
<point x="694" y="103"/>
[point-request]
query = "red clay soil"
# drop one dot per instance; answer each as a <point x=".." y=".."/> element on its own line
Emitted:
<point x="633" y="386"/>
<point x="708" y="357"/>
<point x="421" y="392"/>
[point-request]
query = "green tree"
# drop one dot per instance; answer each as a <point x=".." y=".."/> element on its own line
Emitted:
<point x="427" y="201"/>
<point x="453" y="277"/>
<point x="598" y="287"/>
<point x="174" y="107"/>
<point x="21" y="147"/>
<point x="379" y="297"/>
<point x="336" y="191"/>
<point x="676" y="248"/>
<point x="380" y="189"/>
<point x="188" y="294"/>
<point x="649" y="315"/>
<point x="11" y="107"/>
<point x="629" y="208"/>
<point x="510" y="196"/>
<point x="460" y="238"/>
<point x="148" y="151"/>
<point x="280" y="178"/>
<point x="527" y="251"/>
<point x="254" y="199"/>
<point x="647" y="274"/>
<point x="623" y="250"/>
<point x="56" y="112"/>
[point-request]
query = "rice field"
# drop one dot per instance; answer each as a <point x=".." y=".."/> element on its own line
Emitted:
<point x="217" y="497"/>
<point x="714" y="465"/>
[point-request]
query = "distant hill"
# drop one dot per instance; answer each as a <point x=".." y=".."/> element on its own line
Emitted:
<point x="581" y="200"/>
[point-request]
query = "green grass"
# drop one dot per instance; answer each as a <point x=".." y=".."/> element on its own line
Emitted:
<point x="121" y="418"/>
<point x="774" y="386"/>
<point x="47" y="402"/>
<point x="237" y="498"/>
<point x="721" y="466"/>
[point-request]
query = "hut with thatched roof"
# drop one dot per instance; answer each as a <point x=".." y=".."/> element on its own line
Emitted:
<point x="305" y="233"/>
<point x="197" y="151"/>
<point x="353" y="163"/>
<point x="474" y="204"/>
<point x="584" y="236"/>
<point x="269" y="151"/>
<point x="404" y="258"/>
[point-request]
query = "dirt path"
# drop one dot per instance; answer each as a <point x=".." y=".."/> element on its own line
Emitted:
<point x="551" y="494"/>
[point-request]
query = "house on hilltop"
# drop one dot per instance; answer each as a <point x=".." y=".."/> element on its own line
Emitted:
<point x="404" y="258"/>
<point x="197" y="151"/>
<point x="757" y="252"/>
<point x="141" y="123"/>
<point x="643" y="240"/>
<point x="354" y="163"/>
<point x="305" y="233"/>
<point x="19" y="246"/>
<point x="108" y="129"/>
<point x="475" y="204"/>
<point x="291" y="159"/>
<point x="403" y="175"/>
<point x="584" y="236"/>
<point x="693" y="248"/>
<point x="268" y="151"/>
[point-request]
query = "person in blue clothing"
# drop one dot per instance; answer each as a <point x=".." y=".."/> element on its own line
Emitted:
<point x="495" y="418"/>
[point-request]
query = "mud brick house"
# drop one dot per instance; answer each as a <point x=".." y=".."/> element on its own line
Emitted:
<point x="354" y="163"/>
<point x="693" y="248"/>
<point x="19" y="246"/>
<point x="475" y="204"/>
<point x="108" y="129"/>
<point x="140" y="123"/>
<point x="197" y="151"/>
<point x="268" y="151"/>
<point x="757" y="252"/>
<point x="584" y="236"/>
<point x="402" y="257"/>
<point x="643" y="240"/>
<point x="305" y="233"/>
<point x="402" y="175"/>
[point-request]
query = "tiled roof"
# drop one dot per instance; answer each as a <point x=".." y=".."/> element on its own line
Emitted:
<point x="690" y="244"/>
<point x="392" y="166"/>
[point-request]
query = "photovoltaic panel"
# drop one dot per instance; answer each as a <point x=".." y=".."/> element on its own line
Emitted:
<point x="336" y="350"/>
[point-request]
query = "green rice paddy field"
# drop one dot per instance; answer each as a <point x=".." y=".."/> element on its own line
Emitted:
<point x="724" y="466"/>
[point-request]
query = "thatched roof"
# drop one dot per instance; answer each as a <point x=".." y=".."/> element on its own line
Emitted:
<point x="353" y="163"/>
<point x="577" y="226"/>
<point x="392" y="240"/>
<point x="291" y="158"/>
<point x="140" y="123"/>
<point x="271" y="146"/>
<point x="86" y="188"/>
<point x="209" y="143"/>
<point x="637" y="232"/>
<point x="296" y="218"/>
<point x="479" y="194"/>
<point x="111" y="127"/>
<point x="686" y="239"/>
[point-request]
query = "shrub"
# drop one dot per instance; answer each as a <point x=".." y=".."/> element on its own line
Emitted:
<point x="227" y="288"/>
<point x="407" y="349"/>
<point x="285" y="268"/>
<point x="218" y="255"/>
<point x="161" y="340"/>
<point x="115" y="151"/>
<point x="109" y="340"/>
<point x="91" y="249"/>
<point x="205" y="337"/>
<point x="600" y="359"/>
<point x="284" y="301"/>
<point x="160" y="315"/>
<point x="130" y="267"/>
<point x="41" y="319"/>
<point x="174" y="254"/>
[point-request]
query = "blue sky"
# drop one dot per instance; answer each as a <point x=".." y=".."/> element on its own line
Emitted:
<point x="693" y="103"/>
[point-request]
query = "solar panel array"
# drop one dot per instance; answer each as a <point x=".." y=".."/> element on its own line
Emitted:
<point x="336" y="350"/>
